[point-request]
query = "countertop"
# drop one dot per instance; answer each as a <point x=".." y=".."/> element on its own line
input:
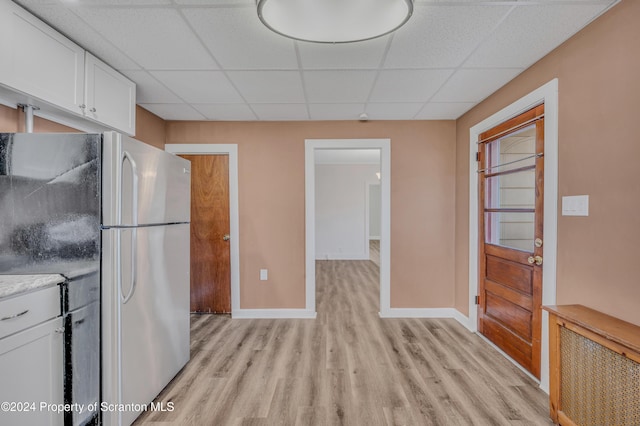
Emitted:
<point x="13" y="284"/>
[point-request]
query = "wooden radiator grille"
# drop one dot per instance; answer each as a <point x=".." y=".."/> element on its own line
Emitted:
<point x="598" y="386"/>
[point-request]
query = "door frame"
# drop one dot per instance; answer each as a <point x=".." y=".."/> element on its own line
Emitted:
<point x="234" y="224"/>
<point x="547" y="94"/>
<point x="384" y="145"/>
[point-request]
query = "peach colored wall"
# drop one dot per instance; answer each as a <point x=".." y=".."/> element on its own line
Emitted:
<point x="599" y="104"/>
<point x="272" y="202"/>
<point x="12" y="120"/>
<point x="8" y="119"/>
<point x="149" y="127"/>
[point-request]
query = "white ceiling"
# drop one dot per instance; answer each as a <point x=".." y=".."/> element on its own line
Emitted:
<point x="214" y="60"/>
<point x="347" y="156"/>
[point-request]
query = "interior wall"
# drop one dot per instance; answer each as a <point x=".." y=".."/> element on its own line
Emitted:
<point x="271" y="163"/>
<point x="598" y="71"/>
<point x="12" y="120"/>
<point x="149" y="127"/>
<point x="341" y="210"/>
<point x="375" y="210"/>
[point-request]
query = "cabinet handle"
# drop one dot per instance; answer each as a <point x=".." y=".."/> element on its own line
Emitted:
<point x="92" y="110"/>
<point x="82" y="106"/>
<point x="60" y="330"/>
<point x="14" y="316"/>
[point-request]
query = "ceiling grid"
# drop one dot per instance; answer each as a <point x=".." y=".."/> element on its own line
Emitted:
<point x="215" y="60"/>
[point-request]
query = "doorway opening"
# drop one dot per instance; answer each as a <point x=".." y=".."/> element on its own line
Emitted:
<point x="346" y="280"/>
<point x="316" y="242"/>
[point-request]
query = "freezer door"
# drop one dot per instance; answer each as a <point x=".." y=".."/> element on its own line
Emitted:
<point x="49" y="202"/>
<point x="143" y="185"/>
<point x="145" y="314"/>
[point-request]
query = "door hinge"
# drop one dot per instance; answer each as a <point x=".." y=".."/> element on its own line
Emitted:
<point x="477" y="300"/>
<point x="477" y="156"/>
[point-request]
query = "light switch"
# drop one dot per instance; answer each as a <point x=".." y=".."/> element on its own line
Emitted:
<point x="264" y="274"/>
<point x="575" y="205"/>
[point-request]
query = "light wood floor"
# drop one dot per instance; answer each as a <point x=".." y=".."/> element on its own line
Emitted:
<point x="347" y="367"/>
<point x="374" y="251"/>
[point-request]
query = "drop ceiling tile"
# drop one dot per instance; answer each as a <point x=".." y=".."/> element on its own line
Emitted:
<point x="473" y="85"/>
<point x="393" y="110"/>
<point x="338" y="86"/>
<point x="29" y="3"/>
<point x="530" y="32"/>
<point x="226" y="112"/>
<point x="252" y="3"/>
<point x="269" y="86"/>
<point x="68" y="23"/>
<point x="114" y="2"/>
<point x="174" y="111"/>
<point x="408" y="85"/>
<point x="238" y="40"/>
<point x="365" y="54"/>
<point x="201" y="87"/>
<point x="149" y="90"/>
<point x="336" y="111"/>
<point x="284" y="112"/>
<point x="442" y="36"/>
<point x="157" y="39"/>
<point x="444" y="110"/>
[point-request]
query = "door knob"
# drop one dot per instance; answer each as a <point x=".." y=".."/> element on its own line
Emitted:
<point x="227" y="237"/>
<point x="535" y="259"/>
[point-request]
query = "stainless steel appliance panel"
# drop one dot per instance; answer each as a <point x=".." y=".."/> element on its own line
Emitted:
<point x="82" y="358"/>
<point x="145" y="313"/>
<point x="144" y="185"/>
<point x="49" y="202"/>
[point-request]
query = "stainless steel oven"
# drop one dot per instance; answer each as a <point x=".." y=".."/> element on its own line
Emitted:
<point x="81" y="309"/>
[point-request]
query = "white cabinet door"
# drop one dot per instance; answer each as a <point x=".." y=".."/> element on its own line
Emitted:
<point x="110" y="96"/>
<point x="31" y="367"/>
<point x="40" y="61"/>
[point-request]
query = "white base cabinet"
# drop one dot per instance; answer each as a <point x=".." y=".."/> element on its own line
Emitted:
<point x="32" y="369"/>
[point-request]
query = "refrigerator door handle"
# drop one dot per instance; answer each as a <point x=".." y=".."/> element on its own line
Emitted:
<point x="134" y="265"/>
<point x="134" y="193"/>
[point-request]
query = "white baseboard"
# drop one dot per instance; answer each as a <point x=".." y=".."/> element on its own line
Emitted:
<point x="272" y="313"/>
<point x="463" y="319"/>
<point x="427" y="313"/>
<point x="418" y="313"/>
<point x="375" y="238"/>
<point x="342" y="256"/>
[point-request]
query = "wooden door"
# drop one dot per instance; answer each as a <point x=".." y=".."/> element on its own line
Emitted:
<point x="210" y="252"/>
<point x="511" y="193"/>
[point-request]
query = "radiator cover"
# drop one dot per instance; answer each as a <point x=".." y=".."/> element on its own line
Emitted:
<point x="598" y="386"/>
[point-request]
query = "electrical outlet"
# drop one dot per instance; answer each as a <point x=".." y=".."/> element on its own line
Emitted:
<point x="264" y="274"/>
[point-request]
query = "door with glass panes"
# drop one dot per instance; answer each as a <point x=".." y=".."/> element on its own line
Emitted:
<point x="511" y="192"/>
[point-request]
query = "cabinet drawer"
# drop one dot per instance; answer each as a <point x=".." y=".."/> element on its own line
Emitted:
<point x="26" y="310"/>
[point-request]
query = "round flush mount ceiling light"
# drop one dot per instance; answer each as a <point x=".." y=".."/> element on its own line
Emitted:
<point x="334" y="21"/>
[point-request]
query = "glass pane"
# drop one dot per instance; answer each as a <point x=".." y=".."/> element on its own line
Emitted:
<point x="511" y="191"/>
<point x="513" y="230"/>
<point x="512" y="150"/>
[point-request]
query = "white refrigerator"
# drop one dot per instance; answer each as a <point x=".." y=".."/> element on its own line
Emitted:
<point x="145" y="274"/>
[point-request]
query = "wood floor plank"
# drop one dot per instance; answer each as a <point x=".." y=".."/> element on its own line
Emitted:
<point x="347" y="367"/>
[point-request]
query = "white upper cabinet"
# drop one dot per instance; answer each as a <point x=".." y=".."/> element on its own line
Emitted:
<point x="110" y="97"/>
<point x="42" y="67"/>
<point x="39" y="61"/>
